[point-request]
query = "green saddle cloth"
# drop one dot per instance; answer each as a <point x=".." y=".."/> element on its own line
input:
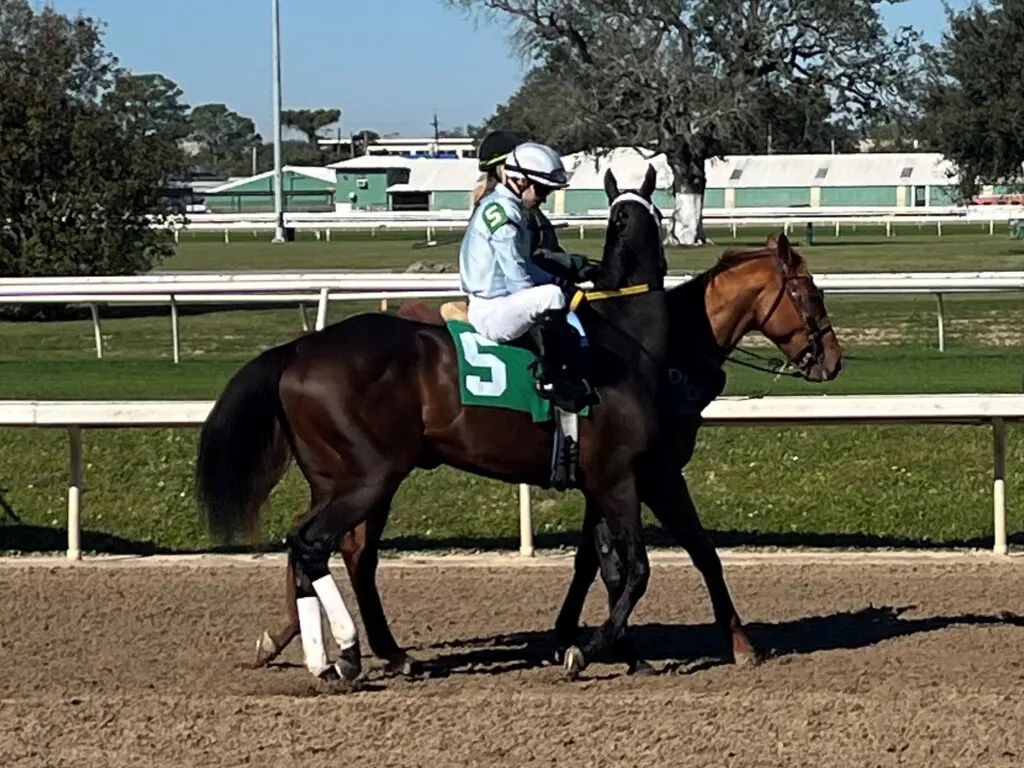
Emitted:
<point x="493" y="375"/>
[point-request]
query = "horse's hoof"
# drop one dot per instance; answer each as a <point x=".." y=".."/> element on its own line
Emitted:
<point x="330" y="674"/>
<point x="402" y="664"/>
<point x="746" y="659"/>
<point x="349" y="664"/>
<point x="574" y="663"/>
<point x="266" y="650"/>
<point x="335" y="679"/>
<point x="642" y="669"/>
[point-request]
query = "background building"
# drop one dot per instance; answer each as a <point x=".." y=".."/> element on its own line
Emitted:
<point x="404" y="182"/>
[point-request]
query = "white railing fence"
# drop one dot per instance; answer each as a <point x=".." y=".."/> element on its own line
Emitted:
<point x="322" y="224"/>
<point x="995" y="411"/>
<point x="322" y="288"/>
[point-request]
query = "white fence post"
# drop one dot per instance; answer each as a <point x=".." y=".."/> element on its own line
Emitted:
<point x="941" y="312"/>
<point x="321" y="310"/>
<point x="74" y="493"/>
<point x="96" y="332"/>
<point x="772" y="411"/>
<point x="525" y="521"/>
<point x="999" y="486"/>
<point x="175" y="342"/>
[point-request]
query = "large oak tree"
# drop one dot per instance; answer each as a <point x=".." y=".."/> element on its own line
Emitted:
<point x="684" y="77"/>
<point x="973" y="100"/>
<point x="87" y="150"/>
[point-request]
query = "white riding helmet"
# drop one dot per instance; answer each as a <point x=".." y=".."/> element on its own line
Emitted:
<point x="537" y="163"/>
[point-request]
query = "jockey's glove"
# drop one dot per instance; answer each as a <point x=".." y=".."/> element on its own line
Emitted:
<point x="571" y="267"/>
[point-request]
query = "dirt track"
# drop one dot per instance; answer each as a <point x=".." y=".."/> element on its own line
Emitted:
<point x="874" y="665"/>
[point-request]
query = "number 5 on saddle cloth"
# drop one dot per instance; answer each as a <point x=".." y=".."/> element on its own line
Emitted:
<point x="502" y="375"/>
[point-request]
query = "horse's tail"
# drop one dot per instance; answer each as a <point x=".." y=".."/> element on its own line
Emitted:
<point x="243" y="448"/>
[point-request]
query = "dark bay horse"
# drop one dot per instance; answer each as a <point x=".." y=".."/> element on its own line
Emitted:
<point x="767" y="290"/>
<point x="365" y="401"/>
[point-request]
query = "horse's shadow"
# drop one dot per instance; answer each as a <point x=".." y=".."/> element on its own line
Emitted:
<point x="692" y="648"/>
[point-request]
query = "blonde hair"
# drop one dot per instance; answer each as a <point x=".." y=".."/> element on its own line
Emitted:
<point x="486" y="183"/>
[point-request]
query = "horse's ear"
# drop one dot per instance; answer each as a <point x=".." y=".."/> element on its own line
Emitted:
<point x="771" y="242"/>
<point x="650" y="179"/>
<point x="611" y="187"/>
<point x="788" y="258"/>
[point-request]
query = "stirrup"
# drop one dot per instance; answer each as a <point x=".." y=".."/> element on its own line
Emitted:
<point x="565" y="453"/>
<point x="568" y="395"/>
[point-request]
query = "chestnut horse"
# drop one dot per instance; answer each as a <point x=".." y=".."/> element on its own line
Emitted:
<point x="366" y="401"/>
<point x="767" y="290"/>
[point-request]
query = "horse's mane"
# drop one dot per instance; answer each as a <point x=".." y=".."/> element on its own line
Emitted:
<point x="735" y="256"/>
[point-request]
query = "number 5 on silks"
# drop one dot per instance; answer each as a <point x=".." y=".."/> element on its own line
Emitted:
<point x="471" y="343"/>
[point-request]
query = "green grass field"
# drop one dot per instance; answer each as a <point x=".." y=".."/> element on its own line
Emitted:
<point x="907" y="486"/>
<point x="858" y="249"/>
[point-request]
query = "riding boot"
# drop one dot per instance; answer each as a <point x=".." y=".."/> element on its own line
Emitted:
<point x="558" y="380"/>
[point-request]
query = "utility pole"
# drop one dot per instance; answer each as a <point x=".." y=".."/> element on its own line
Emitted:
<point x="278" y="180"/>
<point x="437" y="135"/>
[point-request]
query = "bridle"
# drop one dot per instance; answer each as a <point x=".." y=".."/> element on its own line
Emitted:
<point x="652" y="209"/>
<point x="813" y="331"/>
<point x="630" y="290"/>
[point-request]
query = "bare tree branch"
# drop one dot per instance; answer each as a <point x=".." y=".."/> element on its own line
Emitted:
<point x="684" y="77"/>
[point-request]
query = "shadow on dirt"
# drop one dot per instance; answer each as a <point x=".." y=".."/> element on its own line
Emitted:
<point x="688" y="648"/>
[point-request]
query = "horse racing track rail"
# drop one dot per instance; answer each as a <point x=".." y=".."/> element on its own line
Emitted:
<point x="909" y="662"/>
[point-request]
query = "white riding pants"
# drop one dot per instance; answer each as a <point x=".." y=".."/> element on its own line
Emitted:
<point x="505" y="318"/>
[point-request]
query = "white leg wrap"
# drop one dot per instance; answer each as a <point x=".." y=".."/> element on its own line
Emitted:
<point x="312" y="633"/>
<point x="338" y="617"/>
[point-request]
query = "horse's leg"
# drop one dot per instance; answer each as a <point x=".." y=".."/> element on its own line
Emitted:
<point x="670" y="501"/>
<point x="360" y="551"/>
<point x="595" y="537"/>
<point x="585" y="566"/>
<point x="620" y="509"/>
<point x="310" y="545"/>
<point x="272" y="644"/>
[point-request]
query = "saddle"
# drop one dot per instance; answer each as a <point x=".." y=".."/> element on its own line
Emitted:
<point x="455" y="310"/>
<point x="565" y="453"/>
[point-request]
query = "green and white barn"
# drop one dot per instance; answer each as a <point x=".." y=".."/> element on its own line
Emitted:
<point x="747" y="182"/>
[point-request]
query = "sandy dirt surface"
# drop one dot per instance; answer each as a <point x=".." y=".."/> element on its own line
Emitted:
<point x="896" y="664"/>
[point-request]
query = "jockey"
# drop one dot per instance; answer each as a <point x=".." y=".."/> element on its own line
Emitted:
<point x="546" y="252"/>
<point x="508" y="294"/>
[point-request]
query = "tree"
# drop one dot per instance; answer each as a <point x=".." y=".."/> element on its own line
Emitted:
<point x="973" y="96"/>
<point x="682" y="76"/>
<point x="310" y="122"/>
<point x="461" y="132"/>
<point x="150" y="103"/>
<point x="86" y="153"/>
<point x="795" y="119"/>
<point x="292" y="153"/>
<point x="226" y="139"/>
<point x="798" y="118"/>
<point x="361" y="142"/>
<point x="537" y="109"/>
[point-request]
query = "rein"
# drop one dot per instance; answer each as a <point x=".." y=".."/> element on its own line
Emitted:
<point x="630" y="290"/>
<point x="779" y="366"/>
<point x="581" y="295"/>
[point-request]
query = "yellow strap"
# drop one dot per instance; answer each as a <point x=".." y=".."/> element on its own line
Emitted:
<point x="629" y="290"/>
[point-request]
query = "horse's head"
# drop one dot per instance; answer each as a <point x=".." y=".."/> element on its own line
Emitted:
<point x="633" y="251"/>
<point x="783" y="303"/>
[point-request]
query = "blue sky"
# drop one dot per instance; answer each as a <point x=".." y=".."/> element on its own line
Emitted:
<point x="387" y="64"/>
